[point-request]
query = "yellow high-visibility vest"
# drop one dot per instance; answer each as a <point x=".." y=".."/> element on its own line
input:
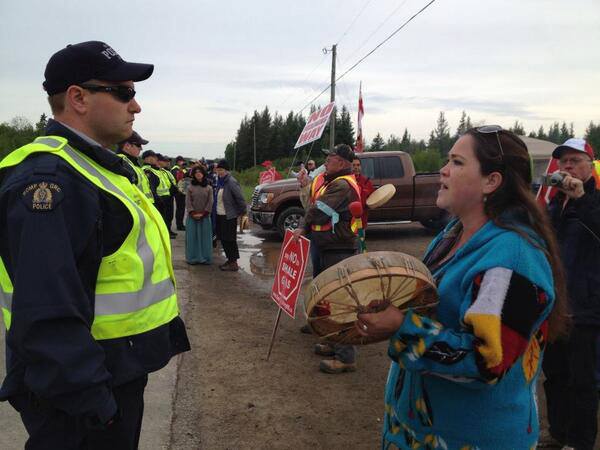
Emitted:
<point x="162" y="189"/>
<point x="142" y="180"/>
<point x="318" y="188"/>
<point x="135" y="288"/>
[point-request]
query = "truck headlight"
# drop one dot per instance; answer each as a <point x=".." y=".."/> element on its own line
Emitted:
<point x="265" y="197"/>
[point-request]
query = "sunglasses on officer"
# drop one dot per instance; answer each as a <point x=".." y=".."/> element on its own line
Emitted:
<point x="121" y="93"/>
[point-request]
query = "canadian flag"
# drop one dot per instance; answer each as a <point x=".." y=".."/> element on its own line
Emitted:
<point x="360" y="143"/>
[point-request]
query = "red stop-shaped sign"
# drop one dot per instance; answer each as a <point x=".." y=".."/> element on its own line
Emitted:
<point x="290" y="273"/>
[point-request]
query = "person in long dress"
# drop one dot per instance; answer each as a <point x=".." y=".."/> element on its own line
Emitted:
<point x="198" y="203"/>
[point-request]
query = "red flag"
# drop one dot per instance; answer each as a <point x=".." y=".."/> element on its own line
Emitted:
<point x="360" y="143"/>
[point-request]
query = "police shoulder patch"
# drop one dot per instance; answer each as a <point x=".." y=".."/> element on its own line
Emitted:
<point x="42" y="196"/>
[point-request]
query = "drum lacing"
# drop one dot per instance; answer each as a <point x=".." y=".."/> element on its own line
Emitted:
<point x="380" y="266"/>
<point x="344" y="277"/>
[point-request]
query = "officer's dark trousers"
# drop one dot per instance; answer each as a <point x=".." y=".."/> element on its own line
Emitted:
<point x="227" y="234"/>
<point x="180" y="211"/>
<point x="345" y="353"/>
<point x="570" y="386"/>
<point x="166" y="210"/>
<point x="51" y="429"/>
<point x="169" y="212"/>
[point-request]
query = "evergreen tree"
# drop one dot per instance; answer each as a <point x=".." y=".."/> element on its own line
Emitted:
<point x="440" y="137"/>
<point x="554" y="133"/>
<point x="592" y="136"/>
<point x="344" y="131"/>
<point x="229" y="155"/>
<point x="40" y="127"/>
<point x="565" y="132"/>
<point x="276" y="147"/>
<point x="541" y="134"/>
<point x="463" y="125"/>
<point x="393" y="143"/>
<point x="405" y="142"/>
<point x="518" y="128"/>
<point x="263" y="135"/>
<point x="377" y="143"/>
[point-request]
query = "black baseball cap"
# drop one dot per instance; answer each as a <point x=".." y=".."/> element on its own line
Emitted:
<point x="343" y="151"/>
<point x="180" y="158"/>
<point x="148" y="153"/>
<point x="223" y="164"/>
<point x="136" y="139"/>
<point x="77" y="63"/>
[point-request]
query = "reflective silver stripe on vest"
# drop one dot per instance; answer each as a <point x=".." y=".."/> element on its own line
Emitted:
<point x="5" y="299"/>
<point x="120" y="303"/>
<point x="54" y="143"/>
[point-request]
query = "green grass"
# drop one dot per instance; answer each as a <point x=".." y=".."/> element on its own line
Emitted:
<point x="247" y="191"/>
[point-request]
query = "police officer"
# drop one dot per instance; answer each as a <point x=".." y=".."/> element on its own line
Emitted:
<point x="171" y="188"/>
<point x="152" y="172"/>
<point x="129" y="150"/>
<point x="86" y="284"/>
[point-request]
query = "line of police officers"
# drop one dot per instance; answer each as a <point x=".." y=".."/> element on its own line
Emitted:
<point x="87" y="288"/>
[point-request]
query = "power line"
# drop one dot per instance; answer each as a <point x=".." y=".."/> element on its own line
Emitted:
<point x="375" y="31"/>
<point x="304" y="81"/>
<point x="353" y="22"/>
<point x="371" y="52"/>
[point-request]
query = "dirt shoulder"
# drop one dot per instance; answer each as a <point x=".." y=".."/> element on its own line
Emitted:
<point x="229" y="397"/>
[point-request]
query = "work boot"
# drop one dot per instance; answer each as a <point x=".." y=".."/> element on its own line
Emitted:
<point x="231" y="266"/>
<point x="306" y="329"/>
<point x="336" y="366"/>
<point x="324" y="349"/>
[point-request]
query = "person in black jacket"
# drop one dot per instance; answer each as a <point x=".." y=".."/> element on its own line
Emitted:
<point x="569" y="365"/>
<point x="230" y="205"/>
<point x="59" y="232"/>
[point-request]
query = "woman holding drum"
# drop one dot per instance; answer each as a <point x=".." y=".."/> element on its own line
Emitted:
<point x="467" y="379"/>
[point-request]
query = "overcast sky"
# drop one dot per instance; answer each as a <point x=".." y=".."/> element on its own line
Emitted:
<point x="216" y="61"/>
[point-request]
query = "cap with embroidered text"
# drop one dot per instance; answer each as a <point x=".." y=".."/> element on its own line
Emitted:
<point x="89" y="60"/>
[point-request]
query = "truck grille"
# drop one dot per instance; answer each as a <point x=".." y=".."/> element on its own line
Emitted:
<point x="255" y="195"/>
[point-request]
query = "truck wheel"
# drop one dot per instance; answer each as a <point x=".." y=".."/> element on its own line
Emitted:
<point x="436" y="225"/>
<point x="289" y="218"/>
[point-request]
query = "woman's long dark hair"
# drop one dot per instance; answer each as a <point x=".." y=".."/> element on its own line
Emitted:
<point x="195" y="182"/>
<point x="514" y="196"/>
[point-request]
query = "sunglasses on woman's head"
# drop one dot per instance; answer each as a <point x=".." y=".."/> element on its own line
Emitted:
<point x="496" y="129"/>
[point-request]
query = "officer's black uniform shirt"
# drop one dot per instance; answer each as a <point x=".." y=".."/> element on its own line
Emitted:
<point x="52" y="257"/>
<point x="154" y="182"/>
<point x="134" y="159"/>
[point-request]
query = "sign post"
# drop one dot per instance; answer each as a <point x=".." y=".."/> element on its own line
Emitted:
<point x="288" y="277"/>
<point x="317" y="122"/>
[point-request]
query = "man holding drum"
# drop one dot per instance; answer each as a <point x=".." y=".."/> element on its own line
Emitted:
<point x="333" y="231"/>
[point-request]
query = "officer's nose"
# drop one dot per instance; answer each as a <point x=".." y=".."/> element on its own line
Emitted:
<point x="134" y="106"/>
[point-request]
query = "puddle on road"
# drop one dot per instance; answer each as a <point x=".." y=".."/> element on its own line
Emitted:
<point x="259" y="257"/>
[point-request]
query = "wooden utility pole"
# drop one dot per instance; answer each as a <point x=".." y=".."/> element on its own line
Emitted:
<point x="332" y="125"/>
<point x="234" y="152"/>
<point x="254" y="140"/>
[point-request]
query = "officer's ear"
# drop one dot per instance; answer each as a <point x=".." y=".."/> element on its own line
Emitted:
<point x="76" y="99"/>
